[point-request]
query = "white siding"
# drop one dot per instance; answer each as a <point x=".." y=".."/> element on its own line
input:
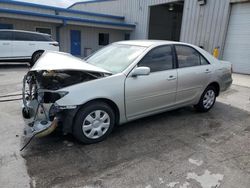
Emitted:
<point x="201" y="25"/>
<point x="135" y="11"/>
<point x="89" y="37"/>
<point x="237" y="48"/>
<point x="29" y="25"/>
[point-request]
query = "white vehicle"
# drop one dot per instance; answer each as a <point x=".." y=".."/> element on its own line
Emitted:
<point x="24" y="45"/>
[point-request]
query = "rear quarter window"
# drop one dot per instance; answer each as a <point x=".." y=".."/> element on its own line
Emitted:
<point x="5" y="35"/>
<point x="22" y="36"/>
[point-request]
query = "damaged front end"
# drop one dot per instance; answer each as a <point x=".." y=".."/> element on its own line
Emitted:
<point x="43" y="85"/>
<point x="40" y="93"/>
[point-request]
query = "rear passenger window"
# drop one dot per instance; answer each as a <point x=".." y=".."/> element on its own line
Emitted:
<point x="187" y="56"/>
<point x="158" y="59"/>
<point x="22" y="36"/>
<point x="5" y="35"/>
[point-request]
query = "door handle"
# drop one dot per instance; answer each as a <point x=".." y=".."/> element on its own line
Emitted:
<point x="31" y="44"/>
<point x="171" y="78"/>
<point x="6" y="43"/>
<point x="208" y="71"/>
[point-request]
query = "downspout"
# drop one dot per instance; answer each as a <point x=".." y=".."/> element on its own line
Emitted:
<point x="58" y="36"/>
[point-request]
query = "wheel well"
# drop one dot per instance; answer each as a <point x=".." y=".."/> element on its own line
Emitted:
<point x="217" y="87"/>
<point x="37" y="52"/>
<point x="111" y="104"/>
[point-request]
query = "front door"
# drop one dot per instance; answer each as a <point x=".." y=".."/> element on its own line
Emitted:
<point x="148" y="94"/>
<point x="75" y="37"/>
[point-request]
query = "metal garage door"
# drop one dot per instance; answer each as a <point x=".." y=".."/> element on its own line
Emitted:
<point x="237" y="47"/>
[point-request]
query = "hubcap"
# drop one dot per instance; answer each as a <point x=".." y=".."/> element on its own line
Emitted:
<point x="209" y="99"/>
<point x="96" y="124"/>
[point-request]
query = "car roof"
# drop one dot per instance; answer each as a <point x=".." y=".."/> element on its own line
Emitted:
<point x="12" y="30"/>
<point x="149" y="43"/>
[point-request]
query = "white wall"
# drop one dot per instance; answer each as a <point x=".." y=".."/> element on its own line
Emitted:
<point x="89" y="37"/>
<point x="201" y="25"/>
<point x="29" y="25"/>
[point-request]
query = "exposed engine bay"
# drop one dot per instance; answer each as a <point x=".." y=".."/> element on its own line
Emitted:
<point x="40" y="92"/>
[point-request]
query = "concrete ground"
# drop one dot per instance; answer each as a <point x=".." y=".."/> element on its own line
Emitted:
<point x="178" y="149"/>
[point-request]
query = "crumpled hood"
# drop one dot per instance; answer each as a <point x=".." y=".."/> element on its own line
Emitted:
<point x="64" y="61"/>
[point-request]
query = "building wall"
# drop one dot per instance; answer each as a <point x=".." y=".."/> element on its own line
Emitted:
<point x="29" y="25"/>
<point x="89" y="37"/>
<point x="134" y="11"/>
<point x="201" y="25"/>
<point x="206" y="25"/>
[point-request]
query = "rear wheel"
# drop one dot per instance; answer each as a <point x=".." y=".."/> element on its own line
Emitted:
<point x="94" y="122"/>
<point x="207" y="99"/>
<point x="35" y="57"/>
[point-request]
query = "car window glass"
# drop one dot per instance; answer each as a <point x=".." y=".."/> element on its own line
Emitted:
<point x="22" y="36"/>
<point x="187" y="56"/>
<point x="158" y="59"/>
<point x="204" y="61"/>
<point x="5" y="35"/>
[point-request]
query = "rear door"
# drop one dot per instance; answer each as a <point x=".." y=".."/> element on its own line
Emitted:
<point x="6" y="45"/>
<point x="23" y="44"/>
<point x="156" y="91"/>
<point x="194" y="73"/>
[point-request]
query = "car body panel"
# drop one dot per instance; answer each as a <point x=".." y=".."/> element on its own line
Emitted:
<point x="191" y="83"/>
<point x="144" y="94"/>
<point x="61" y="62"/>
<point x="24" y="49"/>
<point x="27" y="48"/>
<point x="110" y="88"/>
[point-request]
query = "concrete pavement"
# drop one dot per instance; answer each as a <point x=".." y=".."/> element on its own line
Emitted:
<point x="241" y="80"/>
<point x="178" y="149"/>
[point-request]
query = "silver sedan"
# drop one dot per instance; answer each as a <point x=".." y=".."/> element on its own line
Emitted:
<point x="119" y="83"/>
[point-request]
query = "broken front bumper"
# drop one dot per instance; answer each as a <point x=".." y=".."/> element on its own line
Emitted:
<point x="41" y="128"/>
<point x="41" y="119"/>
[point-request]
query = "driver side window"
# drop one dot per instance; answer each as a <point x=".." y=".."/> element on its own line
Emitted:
<point x="158" y="59"/>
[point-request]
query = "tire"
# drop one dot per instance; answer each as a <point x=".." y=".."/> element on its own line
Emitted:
<point x="94" y="122"/>
<point x="35" y="57"/>
<point x="207" y="100"/>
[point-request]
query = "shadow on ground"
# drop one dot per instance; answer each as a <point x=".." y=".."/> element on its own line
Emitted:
<point x="141" y="151"/>
<point x="13" y="65"/>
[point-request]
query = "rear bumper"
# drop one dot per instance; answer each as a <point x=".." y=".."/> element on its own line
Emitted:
<point x="226" y="84"/>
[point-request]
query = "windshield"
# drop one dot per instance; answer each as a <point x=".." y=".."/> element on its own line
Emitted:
<point x="115" y="58"/>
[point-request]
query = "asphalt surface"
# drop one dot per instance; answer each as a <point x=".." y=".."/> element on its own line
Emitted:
<point x="177" y="149"/>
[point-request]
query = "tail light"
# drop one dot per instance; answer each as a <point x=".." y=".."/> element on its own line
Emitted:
<point x="54" y="44"/>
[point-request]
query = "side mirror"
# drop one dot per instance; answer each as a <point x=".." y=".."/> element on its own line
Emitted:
<point x="140" y="71"/>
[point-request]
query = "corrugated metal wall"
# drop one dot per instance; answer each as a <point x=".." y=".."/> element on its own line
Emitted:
<point x="205" y="25"/>
<point x="201" y="25"/>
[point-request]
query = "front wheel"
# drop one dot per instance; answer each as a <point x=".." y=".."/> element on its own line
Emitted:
<point x="207" y="99"/>
<point x="94" y="122"/>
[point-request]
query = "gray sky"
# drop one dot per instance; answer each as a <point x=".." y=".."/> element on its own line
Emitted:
<point x="58" y="3"/>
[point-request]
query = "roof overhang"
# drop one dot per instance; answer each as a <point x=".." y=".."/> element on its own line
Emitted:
<point x="28" y="15"/>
